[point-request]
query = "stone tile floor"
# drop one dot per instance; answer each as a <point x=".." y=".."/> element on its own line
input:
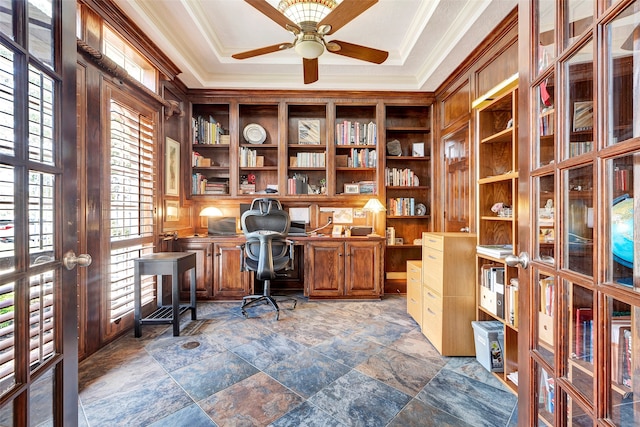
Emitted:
<point x="325" y="363"/>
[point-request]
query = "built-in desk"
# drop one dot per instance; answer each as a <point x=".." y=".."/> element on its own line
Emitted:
<point x="330" y="267"/>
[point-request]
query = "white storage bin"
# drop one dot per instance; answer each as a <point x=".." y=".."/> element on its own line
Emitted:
<point x="489" y="341"/>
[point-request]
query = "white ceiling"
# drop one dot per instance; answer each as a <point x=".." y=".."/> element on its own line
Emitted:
<point x="426" y="41"/>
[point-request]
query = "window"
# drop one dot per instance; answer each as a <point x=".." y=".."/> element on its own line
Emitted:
<point x="131" y="205"/>
<point x="123" y="54"/>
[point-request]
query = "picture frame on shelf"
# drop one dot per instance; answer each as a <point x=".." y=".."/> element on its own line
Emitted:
<point x="351" y="189"/>
<point x="172" y="167"/>
<point x="417" y="149"/>
<point x="309" y="132"/>
<point x="582" y="116"/>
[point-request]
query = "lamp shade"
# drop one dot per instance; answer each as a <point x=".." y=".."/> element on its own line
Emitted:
<point x="300" y="11"/>
<point x="374" y="205"/>
<point x="210" y="211"/>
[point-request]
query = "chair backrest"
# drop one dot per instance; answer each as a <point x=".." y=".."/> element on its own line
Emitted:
<point x="265" y="227"/>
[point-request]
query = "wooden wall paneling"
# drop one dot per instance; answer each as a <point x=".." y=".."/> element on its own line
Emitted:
<point x="504" y="64"/>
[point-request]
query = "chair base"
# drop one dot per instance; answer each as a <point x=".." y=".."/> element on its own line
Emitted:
<point x="251" y="300"/>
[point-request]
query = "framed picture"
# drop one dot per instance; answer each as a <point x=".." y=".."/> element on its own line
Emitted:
<point x="351" y="189"/>
<point x="309" y="132"/>
<point x="172" y="168"/>
<point x="582" y="115"/>
<point x="171" y="210"/>
<point x="417" y="149"/>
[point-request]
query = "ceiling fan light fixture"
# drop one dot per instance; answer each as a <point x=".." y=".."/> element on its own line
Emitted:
<point x="309" y="48"/>
<point x="300" y="11"/>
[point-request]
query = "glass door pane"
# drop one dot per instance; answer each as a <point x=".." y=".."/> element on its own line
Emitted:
<point x="581" y="340"/>
<point x="622" y="407"/>
<point x="546" y="396"/>
<point x="622" y="219"/>
<point x="546" y="317"/>
<point x="546" y="130"/>
<point x="579" y="17"/>
<point x="545" y="221"/>
<point x="546" y="19"/>
<point x="579" y="94"/>
<point x="623" y="36"/>
<point x="578" y="212"/>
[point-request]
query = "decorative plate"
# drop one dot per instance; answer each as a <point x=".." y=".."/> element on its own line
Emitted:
<point x="421" y="209"/>
<point x="254" y="133"/>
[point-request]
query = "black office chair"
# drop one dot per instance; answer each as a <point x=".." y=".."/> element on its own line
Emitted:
<point x="266" y="250"/>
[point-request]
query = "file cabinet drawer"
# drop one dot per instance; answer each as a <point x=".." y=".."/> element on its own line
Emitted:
<point x="414" y="290"/>
<point x="433" y="241"/>
<point x="432" y="318"/>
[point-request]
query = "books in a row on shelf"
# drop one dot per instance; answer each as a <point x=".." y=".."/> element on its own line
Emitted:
<point x="202" y="185"/>
<point x="354" y="132"/>
<point x="206" y="130"/>
<point x="621" y="370"/>
<point x="308" y="160"/>
<point x="401" y="206"/>
<point x="577" y="148"/>
<point x="362" y="158"/>
<point x="401" y="177"/>
<point x="250" y="158"/>
<point x="495" y="251"/>
<point x="298" y="184"/>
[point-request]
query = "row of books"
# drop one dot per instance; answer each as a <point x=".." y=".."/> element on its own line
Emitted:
<point x="202" y="185"/>
<point x="401" y="206"/>
<point x="206" y="130"/>
<point x="249" y="158"/>
<point x="362" y="158"/>
<point x="492" y="289"/>
<point x="298" y="184"/>
<point x="577" y="148"/>
<point x="308" y="160"/>
<point x="583" y="340"/>
<point x="349" y="133"/>
<point x="622" y="178"/>
<point x="621" y="351"/>
<point x="400" y="177"/>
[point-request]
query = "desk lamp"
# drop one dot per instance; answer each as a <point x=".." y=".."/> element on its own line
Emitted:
<point x="374" y="205"/>
<point x="210" y="211"/>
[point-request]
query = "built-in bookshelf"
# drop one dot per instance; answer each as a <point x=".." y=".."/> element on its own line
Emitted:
<point x="407" y="179"/>
<point x="210" y="153"/>
<point x="497" y="169"/>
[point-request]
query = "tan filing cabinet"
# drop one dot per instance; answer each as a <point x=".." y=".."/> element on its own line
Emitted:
<point x="448" y="291"/>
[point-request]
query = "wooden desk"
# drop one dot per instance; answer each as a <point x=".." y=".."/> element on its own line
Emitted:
<point x="333" y="267"/>
<point x="172" y="264"/>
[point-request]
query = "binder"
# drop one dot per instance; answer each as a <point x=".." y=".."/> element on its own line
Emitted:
<point x="498" y="286"/>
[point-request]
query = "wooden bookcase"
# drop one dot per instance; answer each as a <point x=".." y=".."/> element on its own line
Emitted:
<point x="319" y="151"/>
<point x="497" y="185"/>
<point x="407" y="178"/>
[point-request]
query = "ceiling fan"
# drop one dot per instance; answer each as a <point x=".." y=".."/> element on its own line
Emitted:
<point x="309" y="21"/>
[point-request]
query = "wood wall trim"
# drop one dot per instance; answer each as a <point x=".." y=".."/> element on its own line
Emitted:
<point x="337" y="97"/>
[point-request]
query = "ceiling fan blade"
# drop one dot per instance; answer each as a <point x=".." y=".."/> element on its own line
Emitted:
<point x="310" y="67"/>
<point x="358" y="52"/>
<point x="272" y="13"/>
<point x="262" y="51"/>
<point x="344" y="13"/>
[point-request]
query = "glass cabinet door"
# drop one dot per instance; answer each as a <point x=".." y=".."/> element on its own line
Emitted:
<point x="545" y="220"/>
<point x="579" y="102"/>
<point x="623" y="40"/>
<point x="546" y="130"/>
<point x="578" y="217"/>
<point x="580" y="355"/>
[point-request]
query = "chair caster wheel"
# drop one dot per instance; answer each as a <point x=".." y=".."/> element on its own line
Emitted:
<point x="245" y="314"/>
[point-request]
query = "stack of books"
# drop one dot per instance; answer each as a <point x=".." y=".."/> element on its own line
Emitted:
<point x="495" y="251"/>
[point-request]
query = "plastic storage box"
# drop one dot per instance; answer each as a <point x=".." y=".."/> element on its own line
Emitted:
<point x="489" y="341"/>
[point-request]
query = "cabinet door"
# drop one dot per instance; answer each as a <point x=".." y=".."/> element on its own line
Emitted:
<point x="363" y="275"/>
<point x="324" y="270"/>
<point x="203" y="270"/>
<point x="228" y="280"/>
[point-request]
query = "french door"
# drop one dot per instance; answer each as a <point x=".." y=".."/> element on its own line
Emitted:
<point x="579" y="219"/>
<point x="38" y="295"/>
